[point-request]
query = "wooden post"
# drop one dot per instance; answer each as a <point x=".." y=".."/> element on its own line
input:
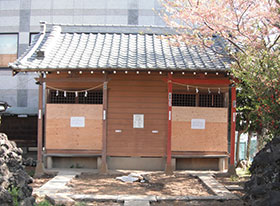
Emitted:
<point x="168" y="169"/>
<point x="104" y="168"/>
<point x="233" y="122"/>
<point x="39" y="167"/>
<point x="231" y="169"/>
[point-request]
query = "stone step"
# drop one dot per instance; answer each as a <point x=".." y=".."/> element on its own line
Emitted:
<point x="136" y="203"/>
<point x="234" y="187"/>
<point x="216" y="187"/>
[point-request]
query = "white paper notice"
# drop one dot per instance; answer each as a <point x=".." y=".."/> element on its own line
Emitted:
<point x="138" y="121"/>
<point x="198" y="124"/>
<point x="77" y="122"/>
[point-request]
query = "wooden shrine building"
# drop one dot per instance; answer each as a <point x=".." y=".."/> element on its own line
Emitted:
<point x="123" y="97"/>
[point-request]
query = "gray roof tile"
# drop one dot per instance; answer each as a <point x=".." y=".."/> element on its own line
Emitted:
<point x="150" y="50"/>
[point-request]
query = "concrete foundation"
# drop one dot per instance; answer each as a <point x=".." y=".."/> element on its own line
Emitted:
<point x="72" y="162"/>
<point x="199" y="164"/>
<point x="136" y="163"/>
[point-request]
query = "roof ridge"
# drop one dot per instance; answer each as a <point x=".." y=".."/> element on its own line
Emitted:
<point x="114" y="28"/>
<point x="110" y="25"/>
<point x="32" y="50"/>
<point x="52" y="38"/>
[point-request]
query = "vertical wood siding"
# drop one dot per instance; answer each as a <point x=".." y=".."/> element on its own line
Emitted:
<point x="137" y="94"/>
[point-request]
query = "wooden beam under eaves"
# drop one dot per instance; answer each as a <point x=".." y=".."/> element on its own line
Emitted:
<point x="69" y="80"/>
<point x="201" y="81"/>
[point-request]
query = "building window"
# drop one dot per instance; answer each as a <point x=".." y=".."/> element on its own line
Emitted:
<point x="91" y="97"/>
<point x="8" y="49"/>
<point x="199" y="100"/>
<point x="32" y="37"/>
<point x="58" y="97"/>
<point x="211" y="100"/>
<point x="183" y="100"/>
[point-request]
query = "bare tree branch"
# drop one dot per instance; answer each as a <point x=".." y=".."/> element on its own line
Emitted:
<point x="275" y="41"/>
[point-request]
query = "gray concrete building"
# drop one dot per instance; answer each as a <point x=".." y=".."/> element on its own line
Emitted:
<point x="19" y="22"/>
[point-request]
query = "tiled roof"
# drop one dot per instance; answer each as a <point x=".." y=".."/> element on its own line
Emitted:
<point x="114" y="47"/>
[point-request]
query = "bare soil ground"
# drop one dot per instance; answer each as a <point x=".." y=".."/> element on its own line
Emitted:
<point x="107" y="203"/>
<point x="172" y="203"/>
<point x="199" y="203"/>
<point x="159" y="184"/>
<point x="38" y="182"/>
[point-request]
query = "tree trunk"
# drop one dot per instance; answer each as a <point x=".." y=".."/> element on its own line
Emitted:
<point x="260" y="141"/>
<point x="249" y="146"/>
<point x="237" y="147"/>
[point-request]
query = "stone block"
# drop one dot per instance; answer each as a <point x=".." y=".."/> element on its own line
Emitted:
<point x="63" y="19"/>
<point x="26" y="4"/>
<point x="146" y="20"/>
<point x="116" y="20"/>
<point x="9" y="20"/>
<point x="137" y="198"/>
<point x="113" y="4"/>
<point x="63" y="4"/>
<point x="32" y="99"/>
<point x="146" y="4"/>
<point x="133" y="4"/>
<point x="24" y="20"/>
<point x="60" y="199"/>
<point x="24" y="38"/>
<point x="94" y="19"/>
<point x="35" y="20"/>
<point x="132" y="17"/>
<point x="22" y="97"/>
<point x="95" y="4"/>
<point x="22" y="48"/>
<point x="41" y="4"/>
<point x="136" y="203"/>
<point x="10" y="5"/>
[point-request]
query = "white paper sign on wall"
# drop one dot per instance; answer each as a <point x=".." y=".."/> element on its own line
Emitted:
<point x="77" y="122"/>
<point x="198" y="124"/>
<point x="138" y="121"/>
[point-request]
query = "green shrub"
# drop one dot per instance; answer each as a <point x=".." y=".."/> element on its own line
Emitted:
<point x="44" y="203"/>
<point x="14" y="191"/>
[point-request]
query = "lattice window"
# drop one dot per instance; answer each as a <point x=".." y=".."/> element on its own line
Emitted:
<point x="183" y="100"/>
<point x="92" y="97"/>
<point x="218" y="100"/>
<point x="59" y="97"/>
<point x="211" y="100"/>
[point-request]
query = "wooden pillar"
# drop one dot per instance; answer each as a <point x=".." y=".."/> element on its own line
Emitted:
<point x="104" y="168"/>
<point x="233" y="122"/>
<point x="39" y="167"/>
<point x="168" y="169"/>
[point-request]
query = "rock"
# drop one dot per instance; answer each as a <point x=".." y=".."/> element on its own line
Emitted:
<point x="263" y="188"/>
<point x="127" y="179"/>
<point x="29" y="162"/>
<point x="134" y="177"/>
<point x="13" y="179"/>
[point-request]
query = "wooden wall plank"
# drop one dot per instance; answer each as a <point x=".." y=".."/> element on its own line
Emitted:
<point x="141" y="94"/>
<point x="59" y="134"/>
<point x="5" y="59"/>
<point x="210" y="114"/>
<point x="212" y="138"/>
